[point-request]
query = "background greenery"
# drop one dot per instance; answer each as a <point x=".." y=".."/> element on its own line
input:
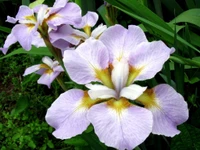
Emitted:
<point x="23" y="103"/>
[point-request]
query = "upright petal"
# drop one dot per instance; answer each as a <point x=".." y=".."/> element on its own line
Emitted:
<point x="89" y="19"/>
<point x="68" y="113"/>
<point x="83" y="63"/>
<point x="69" y="14"/>
<point x="120" y="74"/>
<point x="96" y="33"/>
<point x="168" y="107"/>
<point x="23" y="12"/>
<point x="48" y="61"/>
<point x="119" y="124"/>
<point x="147" y="60"/>
<point x="121" y="41"/>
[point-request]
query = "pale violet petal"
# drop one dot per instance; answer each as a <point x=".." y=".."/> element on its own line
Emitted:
<point x="11" y="19"/>
<point x="123" y="128"/>
<point x="42" y="13"/>
<point x="24" y="35"/>
<point x="82" y="63"/>
<point x="121" y="41"/>
<point x="100" y="91"/>
<point x="173" y="111"/>
<point x="98" y="31"/>
<point x="132" y="91"/>
<point x="37" y="40"/>
<point x="23" y="12"/>
<point x="120" y="74"/>
<point x="148" y="59"/>
<point x="168" y="108"/>
<point x="48" y="61"/>
<point x="11" y="39"/>
<point x="47" y="78"/>
<point x="67" y="116"/>
<point x="31" y="69"/>
<point x="89" y="19"/>
<point x="69" y="14"/>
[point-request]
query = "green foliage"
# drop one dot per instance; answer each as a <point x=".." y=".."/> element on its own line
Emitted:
<point x="23" y="103"/>
<point x="188" y="139"/>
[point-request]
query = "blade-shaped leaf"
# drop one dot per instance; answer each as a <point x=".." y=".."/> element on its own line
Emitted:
<point x="154" y="24"/>
<point x="190" y="16"/>
<point x="33" y="51"/>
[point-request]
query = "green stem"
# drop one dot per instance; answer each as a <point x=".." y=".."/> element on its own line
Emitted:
<point x="61" y="83"/>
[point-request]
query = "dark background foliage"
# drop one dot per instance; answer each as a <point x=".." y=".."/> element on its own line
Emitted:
<point x="23" y="103"/>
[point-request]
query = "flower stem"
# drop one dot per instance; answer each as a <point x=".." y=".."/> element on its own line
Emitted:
<point x="61" y="83"/>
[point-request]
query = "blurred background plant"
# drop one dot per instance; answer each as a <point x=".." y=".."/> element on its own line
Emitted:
<point x="23" y="103"/>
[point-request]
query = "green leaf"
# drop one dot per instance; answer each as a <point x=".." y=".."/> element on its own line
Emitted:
<point x="32" y="145"/>
<point x="93" y="141"/>
<point x="188" y="139"/>
<point x="35" y="3"/>
<point x="185" y="61"/>
<point x="86" y="5"/>
<point x="25" y="2"/>
<point x="33" y="51"/>
<point x="76" y="141"/>
<point x="151" y="21"/>
<point x="190" y="4"/>
<point x="172" y="6"/>
<point x="22" y="104"/>
<point x="5" y="29"/>
<point x="104" y="14"/>
<point x="190" y="16"/>
<point x="50" y="144"/>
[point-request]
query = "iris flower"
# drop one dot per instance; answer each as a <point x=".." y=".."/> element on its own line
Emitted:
<point x="122" y="112"/>
<point x="66" y="35"/>
<point x="49" y="70"/>
<point x="38" y="20"/>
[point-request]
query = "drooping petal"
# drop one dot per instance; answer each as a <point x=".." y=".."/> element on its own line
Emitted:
<point x="147" y="60"/>
<point x="68" y="113"/>
<point x="47" y="78"/>
<point x="100" y="91"/>
<point x="168" y="107"/>
<point x="120" y="41"/>
<point x="24" y="35"/>
<point x="64" y="33"/>
<point x="11" y="39"/>
<point x="83" y="63"/>
<point x="31" y="69"/>
<point x="119" y="124"/>
<point x="120" y="74"/>
<point x="37" y="40"/>
<point x="89" y="19"/>
<point x="132" y="92"/>
<point x="69" y="14"/>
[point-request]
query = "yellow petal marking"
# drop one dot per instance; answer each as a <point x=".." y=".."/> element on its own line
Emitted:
<point x="133" y="73"/>
<point x="48" y="70"/>
<point x="148" y="99"/>
<point x="119" y="105"/>
<point x="105" y="77"/>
